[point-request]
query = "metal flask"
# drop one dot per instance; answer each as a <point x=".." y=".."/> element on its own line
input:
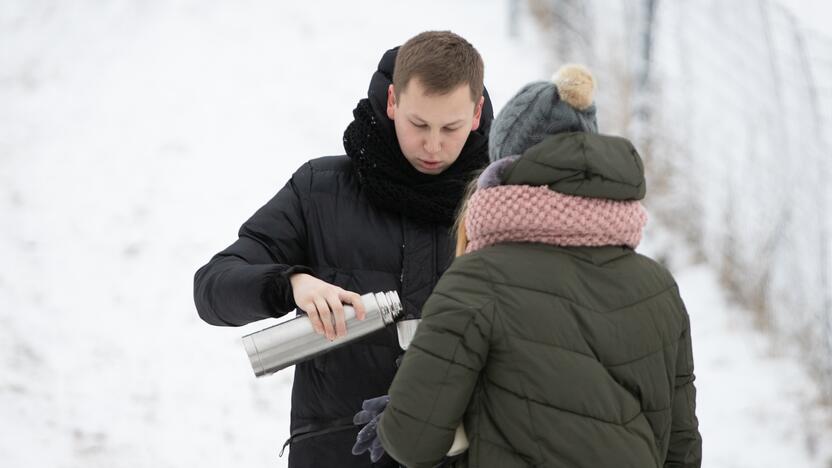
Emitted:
<point x="288" y="343"/>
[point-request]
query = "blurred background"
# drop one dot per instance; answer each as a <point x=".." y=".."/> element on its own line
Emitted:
<point x="137" y="135"/>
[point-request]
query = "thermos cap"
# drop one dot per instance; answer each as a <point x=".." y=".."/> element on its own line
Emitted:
<point x="389" y="304"/>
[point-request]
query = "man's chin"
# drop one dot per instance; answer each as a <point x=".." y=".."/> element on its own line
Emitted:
<point x="430" y="169"/>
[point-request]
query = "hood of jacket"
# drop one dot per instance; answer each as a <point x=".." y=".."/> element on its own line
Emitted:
<point x="582" y="164"/>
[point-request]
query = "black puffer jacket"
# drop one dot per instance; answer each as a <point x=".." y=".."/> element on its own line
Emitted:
<point x="322" y="223"/>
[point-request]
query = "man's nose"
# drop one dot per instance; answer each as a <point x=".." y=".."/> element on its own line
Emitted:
<point x="432" y="143"/>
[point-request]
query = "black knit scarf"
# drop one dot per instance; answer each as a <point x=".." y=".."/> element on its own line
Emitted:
<point x="392" y="183"/>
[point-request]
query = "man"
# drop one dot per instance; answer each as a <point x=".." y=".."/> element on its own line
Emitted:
<point x="376" y="219"/>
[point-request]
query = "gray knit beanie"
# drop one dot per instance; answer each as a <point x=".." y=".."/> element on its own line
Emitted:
<point x="544" y="108"/>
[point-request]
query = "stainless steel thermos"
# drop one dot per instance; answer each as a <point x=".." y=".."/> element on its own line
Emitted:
<point x="294" y="341"/>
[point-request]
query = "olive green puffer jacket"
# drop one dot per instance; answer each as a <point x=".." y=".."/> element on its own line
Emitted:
<point x="552" y="356"/>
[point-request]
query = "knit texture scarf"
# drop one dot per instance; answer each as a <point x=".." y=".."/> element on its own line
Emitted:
<point x="392" y="183"/>
<point x="524" y="213"/>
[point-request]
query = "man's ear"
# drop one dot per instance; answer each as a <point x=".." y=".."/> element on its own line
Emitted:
<point x="391" y="102"/>
<point x="475" y="124"/>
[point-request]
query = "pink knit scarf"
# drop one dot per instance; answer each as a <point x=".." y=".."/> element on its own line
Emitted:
<point x="525" y="213"/>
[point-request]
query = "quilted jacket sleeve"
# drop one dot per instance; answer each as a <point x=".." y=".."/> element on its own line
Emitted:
<point x="685" y="449"/>
<point x="249" y="280"/>
<point x="434" y="385"/>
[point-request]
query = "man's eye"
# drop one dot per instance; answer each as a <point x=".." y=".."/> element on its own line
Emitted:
<point x="420" y="125"/>
<point x="449" y="129"/>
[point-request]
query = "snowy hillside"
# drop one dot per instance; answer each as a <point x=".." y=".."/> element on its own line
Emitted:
<point x="135" y="138"/>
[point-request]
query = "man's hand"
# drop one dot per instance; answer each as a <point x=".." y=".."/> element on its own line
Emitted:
<point x="321" y="301"/>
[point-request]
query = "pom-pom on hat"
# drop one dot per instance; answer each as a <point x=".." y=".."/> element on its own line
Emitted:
<point x="545" y="108"/>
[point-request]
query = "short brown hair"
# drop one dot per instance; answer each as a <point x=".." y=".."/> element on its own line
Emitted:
<point x="442" y="61"/>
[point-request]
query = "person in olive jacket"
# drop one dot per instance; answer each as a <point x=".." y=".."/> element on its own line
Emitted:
<point x="550" y="339"/>
<point x="377" y="219"/>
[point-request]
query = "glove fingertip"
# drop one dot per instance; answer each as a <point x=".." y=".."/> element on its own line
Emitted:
<point x="376" y="453"/>
<point x="376" y="443"/>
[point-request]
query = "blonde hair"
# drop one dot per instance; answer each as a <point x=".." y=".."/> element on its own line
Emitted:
<point x="459" y="224"/>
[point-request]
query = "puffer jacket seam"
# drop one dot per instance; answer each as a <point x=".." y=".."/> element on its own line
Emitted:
<point x="572" y="301"/>
<point x="666" y="408"/>
<point x="553" y="345"/>
<point x="592" y="357"/>
<point x="416" y="418"/>
<point x="493" y="300"/>
<point x="664" y="347"/>
<point x="589" y="171"/>
<point x="483" y="306"/>
<point x="534" y="430"/>
<point x="304" y="196"/>
<point x="442" y="358"/>
<point x="574" y="413"/>
<point x="599" y="362"/>
<point x="351" y="270"/>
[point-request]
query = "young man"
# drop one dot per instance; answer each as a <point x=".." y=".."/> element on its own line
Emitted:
<point x="376" y="219"/>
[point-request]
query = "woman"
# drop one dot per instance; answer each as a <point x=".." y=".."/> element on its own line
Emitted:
<point x="550" y="338"/>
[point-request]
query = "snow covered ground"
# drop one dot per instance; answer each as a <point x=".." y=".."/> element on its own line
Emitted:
<point x="755" y="405"/>
<point x="136" y="136"/>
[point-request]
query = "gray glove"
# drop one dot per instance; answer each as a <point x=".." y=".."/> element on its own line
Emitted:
<point x="367" y="439"/>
